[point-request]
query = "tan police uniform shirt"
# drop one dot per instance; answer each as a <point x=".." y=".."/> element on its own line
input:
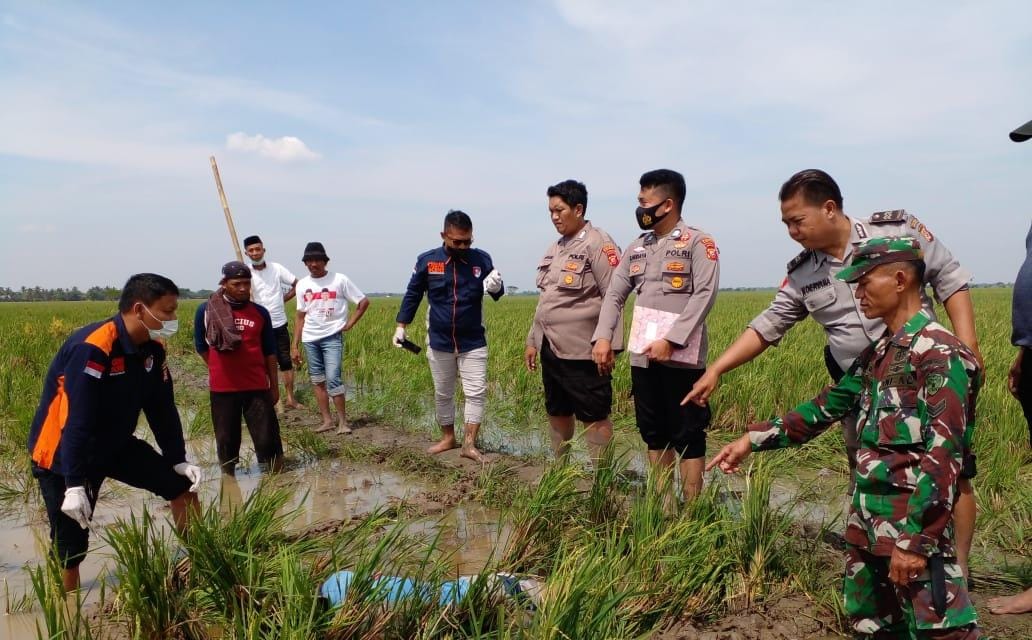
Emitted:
<point x="678" y="273"/>
<point x="810" y="288"/>
<point x="573" y="277"/>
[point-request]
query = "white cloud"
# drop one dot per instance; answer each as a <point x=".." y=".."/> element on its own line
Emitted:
<point x="882" y="75"/>
<point x="283" y="149"/>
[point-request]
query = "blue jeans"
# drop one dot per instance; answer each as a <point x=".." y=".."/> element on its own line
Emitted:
<point x="324" y="358"/>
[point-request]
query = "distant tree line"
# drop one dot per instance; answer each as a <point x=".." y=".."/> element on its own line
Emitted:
<point x="39" y="294"/>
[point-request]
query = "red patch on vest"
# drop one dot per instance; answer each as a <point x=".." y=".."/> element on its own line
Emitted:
<point x="711" y="249"/>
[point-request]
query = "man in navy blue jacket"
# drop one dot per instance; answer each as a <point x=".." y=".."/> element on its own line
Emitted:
<point x="454" y="278"/>
<point x="102" y="378"/>
<point x="1019" y="379"/>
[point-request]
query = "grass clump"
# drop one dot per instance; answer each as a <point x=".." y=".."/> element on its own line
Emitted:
<point x="61" y="616"/>
<point x="151" y="595"/>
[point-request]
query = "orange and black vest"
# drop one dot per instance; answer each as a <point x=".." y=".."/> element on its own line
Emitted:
<point x="94" y="391"/>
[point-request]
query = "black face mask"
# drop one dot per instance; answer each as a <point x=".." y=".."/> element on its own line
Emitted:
<point x="457" y="252"/>
<point x="646" y="216"/>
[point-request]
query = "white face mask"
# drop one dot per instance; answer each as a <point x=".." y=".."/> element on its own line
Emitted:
<point x="167" y="330"/>
<point x="257" y="263"/>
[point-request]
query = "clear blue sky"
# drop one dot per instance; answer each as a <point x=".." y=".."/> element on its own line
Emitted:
<point x="360" y="124"/>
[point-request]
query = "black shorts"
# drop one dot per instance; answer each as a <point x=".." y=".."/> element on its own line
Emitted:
<point x="283" y="348"/>
<point x="136" y="464"/>
<point x="574" y="387"/>
<point x="662" y="421"/>
<point x="256" y="407"/>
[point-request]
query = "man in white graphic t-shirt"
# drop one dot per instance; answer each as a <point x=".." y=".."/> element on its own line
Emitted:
<point x="322" y="319"/>
<point x="272" y="286"/>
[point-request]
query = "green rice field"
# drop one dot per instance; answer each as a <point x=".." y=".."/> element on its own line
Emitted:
<point x="616" y="561"/>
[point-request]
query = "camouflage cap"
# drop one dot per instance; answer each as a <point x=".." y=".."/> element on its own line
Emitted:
<point x="877" y="251"/>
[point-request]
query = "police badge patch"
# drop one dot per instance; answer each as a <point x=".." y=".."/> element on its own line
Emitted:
<point x="476" y="272"/>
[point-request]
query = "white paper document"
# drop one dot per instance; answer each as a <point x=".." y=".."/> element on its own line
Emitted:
<point x="649" y="325"/>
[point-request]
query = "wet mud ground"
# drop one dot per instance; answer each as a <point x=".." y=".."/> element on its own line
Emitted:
<point x="379" y="465"/>
<point x="788" y="618"/>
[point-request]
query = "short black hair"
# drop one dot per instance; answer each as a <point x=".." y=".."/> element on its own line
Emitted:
<point x="458" y="219"/>
<point x="145" y="288"/>
<point x="571" y="192"/>
<point x="669" y="180"/>
<point x="915" y="267"/>
<point x="816" y="186"/>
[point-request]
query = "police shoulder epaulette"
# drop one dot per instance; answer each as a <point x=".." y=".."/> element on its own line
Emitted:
<point x="885" y="217"/>
<point x="798" y="260"/>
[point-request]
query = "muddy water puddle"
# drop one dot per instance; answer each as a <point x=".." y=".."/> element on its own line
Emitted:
<point x="325" y="491"/>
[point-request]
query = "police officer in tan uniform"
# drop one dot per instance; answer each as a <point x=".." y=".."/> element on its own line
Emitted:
<point x="573" y="277"/>
<point x="811" y="208"/>
<point x="673" y="268"/>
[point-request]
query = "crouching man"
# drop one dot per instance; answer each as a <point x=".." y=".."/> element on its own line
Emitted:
<point x="103" y="376"/>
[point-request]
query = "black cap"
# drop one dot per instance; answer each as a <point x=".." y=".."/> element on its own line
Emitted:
<point x="1022" y="133"/>
<point x="235" y="269"/>
<point x="249" y="240"/>
<point x="314" y="251"/>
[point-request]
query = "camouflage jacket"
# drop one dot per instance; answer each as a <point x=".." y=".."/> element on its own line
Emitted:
<point x="914" y="393"/>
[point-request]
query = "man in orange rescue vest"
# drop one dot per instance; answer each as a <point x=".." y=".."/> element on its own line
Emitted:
<point x="103" y="376"/>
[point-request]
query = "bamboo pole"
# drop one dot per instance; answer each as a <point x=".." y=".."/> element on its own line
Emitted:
<point x="225" y="210"/>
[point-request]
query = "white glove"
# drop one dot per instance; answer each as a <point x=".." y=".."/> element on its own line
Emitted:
<point x="399" y="336"/>
<point x="192" y="473"/>
<point x="493" y="282"/>
<point x="77" y="506"/>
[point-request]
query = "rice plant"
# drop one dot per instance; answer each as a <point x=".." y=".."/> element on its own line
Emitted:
<point x="152" y="595"/>
<point x="61" y="615"/>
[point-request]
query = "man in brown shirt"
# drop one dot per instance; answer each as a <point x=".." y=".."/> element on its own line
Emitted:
<point x="573" y="277"/>
<point x="674" y="271"/>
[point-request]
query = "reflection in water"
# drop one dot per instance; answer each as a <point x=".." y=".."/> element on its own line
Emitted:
<point x="18" y="626"/>
<point x="230" y="496"/>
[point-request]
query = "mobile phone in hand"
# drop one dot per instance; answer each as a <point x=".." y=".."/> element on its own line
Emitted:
<point x="410" y="346"/>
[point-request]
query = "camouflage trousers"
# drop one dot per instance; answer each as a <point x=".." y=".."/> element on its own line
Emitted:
<point x="880" y="609"/>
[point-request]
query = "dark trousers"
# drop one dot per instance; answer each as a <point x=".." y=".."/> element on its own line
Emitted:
<point x="1025" y="389"/>
<point x="257" y="409"/>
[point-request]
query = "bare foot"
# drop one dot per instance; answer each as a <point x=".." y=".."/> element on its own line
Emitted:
<point x="1020" y="603"/>
<point x="471" y="452"/>
<point x="343" y="429"/>
<point x="446" y="444"/>
<point x="324" y="427"/>
<point x="293" y="404"/>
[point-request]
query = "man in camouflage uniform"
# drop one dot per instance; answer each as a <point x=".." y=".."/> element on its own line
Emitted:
<point x="573" y="276"/>
<point x="674" y="271"/>
<point x="811" y="209"/>
<point x="914" y="393"/>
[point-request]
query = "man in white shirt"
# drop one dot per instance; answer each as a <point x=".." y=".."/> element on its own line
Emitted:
<point x="272" y="285"/>
<point x="322" y="320"/>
